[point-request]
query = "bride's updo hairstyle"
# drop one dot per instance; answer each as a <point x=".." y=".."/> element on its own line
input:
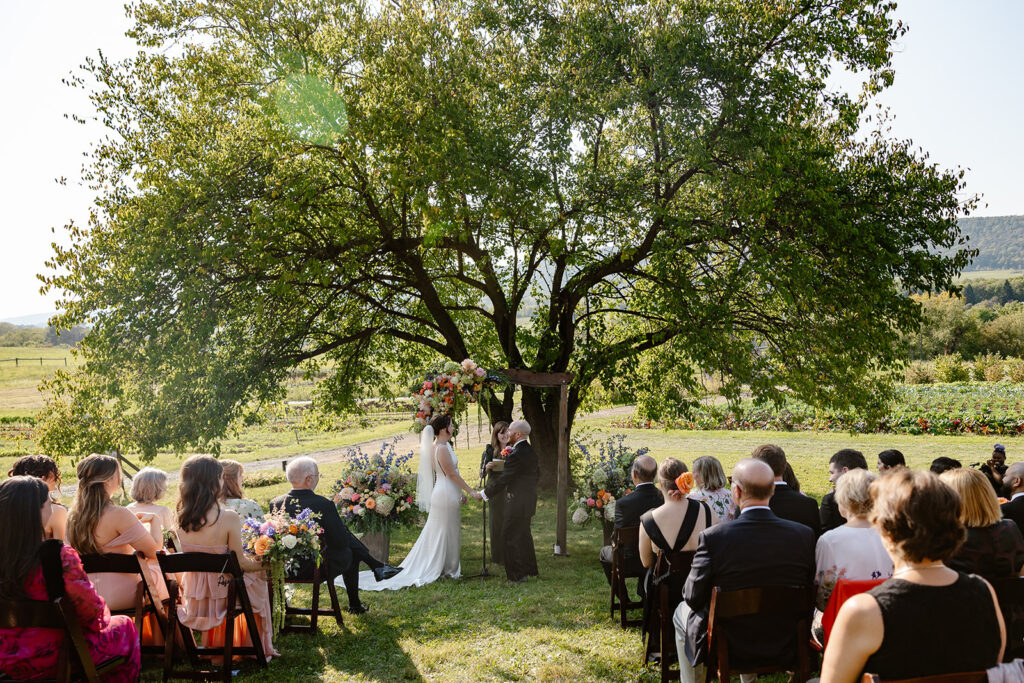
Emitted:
<point x="668" y="472"/>
<point x="440" y="422"/>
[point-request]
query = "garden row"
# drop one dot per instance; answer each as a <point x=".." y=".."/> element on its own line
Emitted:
<point x="958" y="408"/>
<point x="989" y="367"/>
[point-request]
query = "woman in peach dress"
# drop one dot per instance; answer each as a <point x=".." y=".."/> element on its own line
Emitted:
<point x="204" y="526"/>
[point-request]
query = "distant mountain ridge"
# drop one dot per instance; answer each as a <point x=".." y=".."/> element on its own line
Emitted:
<point x="998" y="239"/>
<point x="34" y="320"/>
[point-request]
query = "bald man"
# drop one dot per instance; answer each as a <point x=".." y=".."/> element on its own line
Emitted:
<point x="756" y="549"/>
<point x="645" y="496"/>
<point x="1013" y="485"/>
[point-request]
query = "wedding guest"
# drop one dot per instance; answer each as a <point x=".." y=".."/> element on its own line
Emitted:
<point x="889" y="459"/>
<point x="928" y="619"/>
<point x="148" y="486"/>
<point x="840" y="463"/>
<point x="43" y="467"/>
<point x="712" y="487"/>
<point x="206" y="527"/>
<point x="942" y="464"/>
<point x="854" y="550"/>
<point x="787" y="503"/>
<point x="31" y="653"/>
<point x="231" y="495"/>
<point x="789" y="478"/>
<point x="628" y="510"/>
<point x="97" y="526"/>
<point x="1013" y="485"/>
<point x="496" y="506"/>
<point x="994" y="547"/>
<point x="995" y="467"/>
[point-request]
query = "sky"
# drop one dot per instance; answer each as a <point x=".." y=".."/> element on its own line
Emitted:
<point x="958" y="94"/>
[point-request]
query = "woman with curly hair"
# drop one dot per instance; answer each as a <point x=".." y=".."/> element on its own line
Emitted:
<point x="44" y="467"/>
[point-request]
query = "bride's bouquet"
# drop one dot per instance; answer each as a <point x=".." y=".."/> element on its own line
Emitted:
<point x="281" y="542"/>
<point x="377" y="492"/>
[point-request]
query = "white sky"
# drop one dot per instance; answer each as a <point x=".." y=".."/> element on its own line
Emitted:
<point x="959" y="94"/>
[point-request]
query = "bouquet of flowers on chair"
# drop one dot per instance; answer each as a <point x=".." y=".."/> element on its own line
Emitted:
<point x="281" y="541"/>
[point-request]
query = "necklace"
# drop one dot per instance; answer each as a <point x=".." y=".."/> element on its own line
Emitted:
<point x="918" y="567"/>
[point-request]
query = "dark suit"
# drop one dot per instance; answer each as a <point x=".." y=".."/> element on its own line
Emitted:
<point x="756" y="549"/>
<point x="339" y="548"/>
<point x="496" y="507"/>
<point x="829" y="513"/>
<point x="518" y="483"/>
<point x="1014" y="510"/>
<point x="796" y="507"/>
<point x="628" y="509"/>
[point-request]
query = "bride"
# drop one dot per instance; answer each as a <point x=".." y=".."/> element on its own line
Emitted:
<point x="438" y="493"/>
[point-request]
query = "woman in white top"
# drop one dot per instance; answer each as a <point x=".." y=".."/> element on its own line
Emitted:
<point x="231" y="494"/>
<point x="713" y="487"/>
<point x="148" y="486"/>
<point x="853" y="551"/>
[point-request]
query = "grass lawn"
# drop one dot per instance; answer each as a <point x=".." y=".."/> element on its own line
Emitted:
<point x="555" y="628"/>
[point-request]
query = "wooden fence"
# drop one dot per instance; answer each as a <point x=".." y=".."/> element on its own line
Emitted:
<point x="17" y="361"/>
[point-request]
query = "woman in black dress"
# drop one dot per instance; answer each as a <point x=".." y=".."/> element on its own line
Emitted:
<point x="499" y="439"/>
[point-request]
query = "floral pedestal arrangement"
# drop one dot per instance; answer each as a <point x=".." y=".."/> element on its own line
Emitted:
<point x="379" y="544"/>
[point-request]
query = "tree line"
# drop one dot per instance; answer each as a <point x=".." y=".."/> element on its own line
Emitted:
<point x="998" y="239"/>
<point x="950" y="324"/>
<point x="23" y="335"/>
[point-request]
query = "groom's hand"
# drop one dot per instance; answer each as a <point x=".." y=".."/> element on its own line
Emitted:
<point x="479" y="495"/>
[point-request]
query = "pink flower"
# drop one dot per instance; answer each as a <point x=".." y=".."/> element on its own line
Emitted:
<point x="356" y="497"/>
<point x="591" y="502"/>
<point x="408" y="499"/>
<point x="480" y="372"/>
<point x="428" y="385"/>
<point x="468" y="365"/>
<point x="385" y="487"/>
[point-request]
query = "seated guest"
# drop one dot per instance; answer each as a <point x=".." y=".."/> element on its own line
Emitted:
<point x="1013" y="487"/>
<point x="32" y="652"/>
<point x="787" y="503"/>
<point x="205" y="527"/>
<point x="889" y="459"/>
<point x="231" y="495"/>
<point x="97" y="526"/>
<point x="148" y="486"/>
<point x="928" y="619"/>
<point x="994" y="547"/>
<point x="789" y="478"/>
<point x="338" y="547"/>
<point x="629" y="508"/>
<point x="756" y="549"/>
<point x="853" y="551"/>
<point x="942" y="464"/>
<point x="43" y="467"/>
<point x="712" y="487"/>
<point x="839" y="464"/>
<point x="676" y="523"/>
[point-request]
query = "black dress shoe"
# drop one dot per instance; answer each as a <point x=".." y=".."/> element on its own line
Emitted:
<point x="385" y="572"/>
<point x="357" y="609"/>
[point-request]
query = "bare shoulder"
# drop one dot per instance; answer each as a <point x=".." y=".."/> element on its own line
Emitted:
<point x="862" y="609"/>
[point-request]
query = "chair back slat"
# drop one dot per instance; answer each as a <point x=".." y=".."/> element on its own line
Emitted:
<point x="209" y="563"/>
<point x="779" y="600"/>
<point x="112" y="563"/>
<point x="626" y="536"/>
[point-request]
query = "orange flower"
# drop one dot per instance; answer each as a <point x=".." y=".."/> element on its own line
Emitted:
<point x="599" y="503"/>
<point x="684" y="482"/>
<point x="600" y="493"/>
<point x="262" y="544"/>
<point x="292" y="529"/>
<point x="370" y="503"/>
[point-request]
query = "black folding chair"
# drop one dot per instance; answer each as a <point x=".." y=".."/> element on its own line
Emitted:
<point x="622" y="538"/>
<point x="145" y="605"/>
<point x="321" y="575"/>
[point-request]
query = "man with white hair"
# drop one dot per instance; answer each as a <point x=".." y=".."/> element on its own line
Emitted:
<point x="341" y="552"/>
<point x="518" y="483"/>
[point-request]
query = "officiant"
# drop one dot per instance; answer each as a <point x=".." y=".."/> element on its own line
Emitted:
<point x="518" y="484"/>
<point x="491" y="465"/>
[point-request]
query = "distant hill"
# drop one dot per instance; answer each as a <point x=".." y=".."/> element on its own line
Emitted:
<point x="34" y="320"/>
<point x="999" y="241"/>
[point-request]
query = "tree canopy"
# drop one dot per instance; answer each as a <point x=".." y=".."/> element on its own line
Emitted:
<point x="673" y="187"/>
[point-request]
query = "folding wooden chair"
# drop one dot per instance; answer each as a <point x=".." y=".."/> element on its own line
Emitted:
<point x="795" y="602"/>
<point x="145" y="605"/>
<point x="74" y="661"/>
<point x="666" y="596"/>
<point x="1010" y="593"/>
<point x="320" y="575"/>
<point x="967" y="677"/>
<point x="229" y="571"/>
<point x="622" y="538"/>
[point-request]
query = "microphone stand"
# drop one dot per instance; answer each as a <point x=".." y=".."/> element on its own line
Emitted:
<point x="484" y="574"/>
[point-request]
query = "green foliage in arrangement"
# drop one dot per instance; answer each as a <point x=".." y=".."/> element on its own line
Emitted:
<point x="669" y="188"/>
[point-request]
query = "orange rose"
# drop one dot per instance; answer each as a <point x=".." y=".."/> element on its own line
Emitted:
<point x="684" y="482"/>
<point x="292" y="529"/>
<point x="600" y="493"/>
<point x="262" y="543"/>
<point x="599" y="503"/>
<point x="370" y="503"/>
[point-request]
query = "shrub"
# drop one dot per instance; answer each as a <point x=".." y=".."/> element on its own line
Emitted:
<point x="988" y="367"/>
<point x="1015" y="370"/>
<point x="919" y="372"/>
<point x="260" y="478"/>
<point x="951" y="368"/>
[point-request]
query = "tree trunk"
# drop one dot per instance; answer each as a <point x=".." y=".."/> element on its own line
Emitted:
<point x="540" y="408"/>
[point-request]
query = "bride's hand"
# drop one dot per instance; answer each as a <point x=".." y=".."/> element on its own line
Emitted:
<point x="477" y="495"/>
<point x="463" y="501"/>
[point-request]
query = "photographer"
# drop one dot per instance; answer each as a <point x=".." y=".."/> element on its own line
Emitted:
<point x="995" y="468"/>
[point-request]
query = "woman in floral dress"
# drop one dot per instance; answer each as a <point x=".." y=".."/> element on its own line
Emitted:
<point x="712" y="487"/>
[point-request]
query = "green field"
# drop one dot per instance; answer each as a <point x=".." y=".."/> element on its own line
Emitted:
<point x="19" y="382"/>
<point x="989" y="275"/>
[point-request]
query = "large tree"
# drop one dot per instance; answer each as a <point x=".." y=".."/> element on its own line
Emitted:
<point x="633" y="192"/>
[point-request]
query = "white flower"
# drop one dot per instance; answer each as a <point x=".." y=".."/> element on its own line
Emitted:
<point x="428" y="392"/>
<point x="580" y="516"/>
<point x="346" y="493"/>
<point x="609" y="511"/>
<point x="385" y="504"/>
<point x="289" y="541"/>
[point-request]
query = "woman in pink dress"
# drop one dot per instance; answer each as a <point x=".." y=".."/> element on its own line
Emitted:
<point x="204" y="526"/>
<point x="32" y="653"/>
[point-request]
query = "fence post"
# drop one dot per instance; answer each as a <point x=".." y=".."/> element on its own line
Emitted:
<point x="15" y="361"/>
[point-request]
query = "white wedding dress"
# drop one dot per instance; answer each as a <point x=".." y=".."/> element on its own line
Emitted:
<point x="436" y="552"/>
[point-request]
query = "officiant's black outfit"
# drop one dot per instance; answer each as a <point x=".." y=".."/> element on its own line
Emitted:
<point x="518" y="484"/>
<point x="341" y="551"/>
<point x="496" y="506"/>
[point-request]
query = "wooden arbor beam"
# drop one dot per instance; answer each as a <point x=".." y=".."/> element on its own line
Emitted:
<point x="529" y="378"/>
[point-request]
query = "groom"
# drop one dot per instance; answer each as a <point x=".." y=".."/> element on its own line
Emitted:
<point x="518" y="483"/>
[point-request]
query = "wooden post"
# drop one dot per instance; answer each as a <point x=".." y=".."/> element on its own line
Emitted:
<point x="562" y="496"/>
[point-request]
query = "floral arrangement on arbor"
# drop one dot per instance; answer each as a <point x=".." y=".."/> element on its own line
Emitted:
<point x="377" y="492"/>
<point x="281" y="541"/>
<point x="601" y="472"/>
<point x="451" y="389"/>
